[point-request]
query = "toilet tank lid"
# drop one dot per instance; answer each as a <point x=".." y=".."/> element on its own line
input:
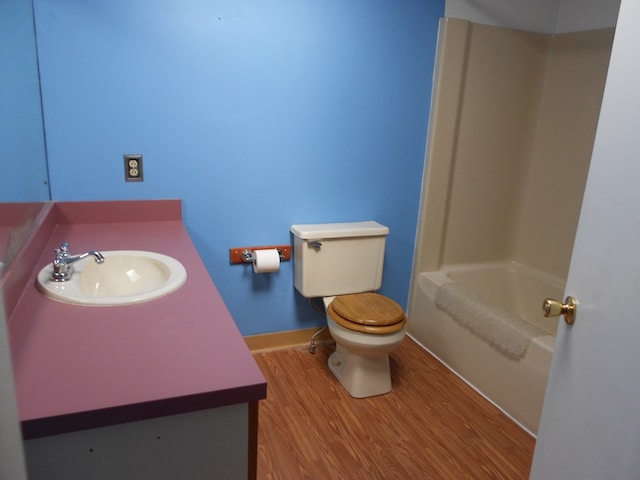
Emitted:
<point x="319" y="231"/>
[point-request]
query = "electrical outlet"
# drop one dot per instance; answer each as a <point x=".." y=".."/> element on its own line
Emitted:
<point x="133" y="168"/>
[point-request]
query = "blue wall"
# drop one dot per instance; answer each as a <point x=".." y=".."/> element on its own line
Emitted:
<point x="257" y="114"/>
<point x="22" y="152"/>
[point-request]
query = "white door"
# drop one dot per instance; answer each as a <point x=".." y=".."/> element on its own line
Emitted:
<point x="590" y="425"/>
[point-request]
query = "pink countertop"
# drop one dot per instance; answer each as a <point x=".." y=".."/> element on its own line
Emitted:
<point x="83" y="367"/>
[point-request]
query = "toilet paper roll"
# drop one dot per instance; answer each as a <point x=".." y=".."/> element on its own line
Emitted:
<point x="265" y="261"/>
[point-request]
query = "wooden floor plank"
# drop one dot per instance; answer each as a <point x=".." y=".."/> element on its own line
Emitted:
<point x="431" y="426"/>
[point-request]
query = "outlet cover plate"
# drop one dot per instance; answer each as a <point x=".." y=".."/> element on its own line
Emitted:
<point x="133" y="168"/>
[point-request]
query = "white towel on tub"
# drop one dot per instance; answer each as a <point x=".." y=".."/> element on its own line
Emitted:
<point x="504" y="330"/>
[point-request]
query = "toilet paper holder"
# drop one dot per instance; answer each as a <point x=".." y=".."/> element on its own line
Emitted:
<point x="249" y="255"/>
<point x="245" y="254"/>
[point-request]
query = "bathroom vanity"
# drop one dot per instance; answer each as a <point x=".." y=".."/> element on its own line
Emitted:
<point x="160" y="389"/>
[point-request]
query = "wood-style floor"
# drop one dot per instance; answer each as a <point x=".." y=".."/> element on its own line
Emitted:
<point x="431" y="426"/>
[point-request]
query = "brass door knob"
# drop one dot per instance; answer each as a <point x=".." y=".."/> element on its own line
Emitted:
<point x="553" y="308"/>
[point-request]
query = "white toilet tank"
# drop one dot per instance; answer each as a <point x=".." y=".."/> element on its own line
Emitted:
<point x="338" y="258"/>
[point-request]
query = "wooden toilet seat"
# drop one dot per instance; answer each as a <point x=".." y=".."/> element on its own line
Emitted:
<point x="367" y="313"/>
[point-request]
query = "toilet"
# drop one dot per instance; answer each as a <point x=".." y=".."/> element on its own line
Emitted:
<point x="342" y="263"/>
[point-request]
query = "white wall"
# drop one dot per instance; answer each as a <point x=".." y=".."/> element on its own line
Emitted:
<point x="544" y="16"/>
<point x="575" y="15"/>
<point x="533" y="15"/>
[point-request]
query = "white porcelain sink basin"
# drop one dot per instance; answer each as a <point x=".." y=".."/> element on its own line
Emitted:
<point x="125" y="277"/>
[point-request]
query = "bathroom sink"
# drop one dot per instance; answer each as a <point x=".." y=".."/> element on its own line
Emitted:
<point x="125" y="277"/>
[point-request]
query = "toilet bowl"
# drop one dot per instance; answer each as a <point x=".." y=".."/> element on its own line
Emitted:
<point x="336" y="261"/>
<point x="366" y="328"/>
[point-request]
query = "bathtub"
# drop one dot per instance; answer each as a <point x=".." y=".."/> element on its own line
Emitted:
<point x="515" y="385"/>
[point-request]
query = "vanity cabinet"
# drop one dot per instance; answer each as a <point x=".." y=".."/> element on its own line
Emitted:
<point x="164" y="389"/>
<point x="201" y="445"/>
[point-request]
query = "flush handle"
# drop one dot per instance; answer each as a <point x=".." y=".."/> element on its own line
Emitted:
<point x="553" y="308"/>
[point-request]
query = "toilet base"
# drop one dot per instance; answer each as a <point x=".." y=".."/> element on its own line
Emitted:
<point x="361" y="376"/>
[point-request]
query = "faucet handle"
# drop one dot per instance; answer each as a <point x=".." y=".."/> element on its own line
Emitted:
<point x="63" y="250"/>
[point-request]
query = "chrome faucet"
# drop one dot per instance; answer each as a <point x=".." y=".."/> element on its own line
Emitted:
<point x="63" y="263"/>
